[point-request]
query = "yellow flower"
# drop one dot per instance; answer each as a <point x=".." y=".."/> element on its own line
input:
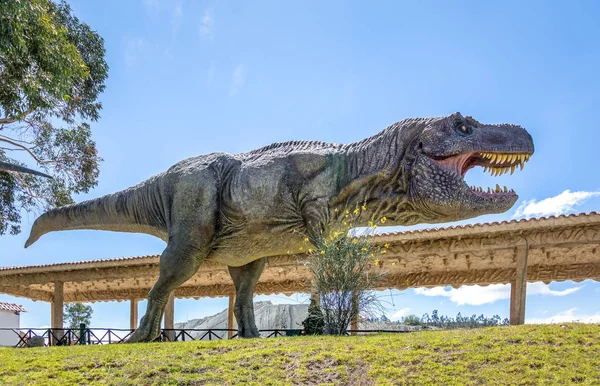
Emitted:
<point x="376" y="262"/>
<point x="386" y="245"/>
<point x="354" y="241"/>
<point x="310" y="250"/>
<point x="336" y="210"/>
<point x="301" y="248"/>
<point x="294" y="231"/>
<point x="344" y="223"/>
<point x="306" y="239"/>
<point x="370" y="223"/>
<point x="347" y="211"/>
<point x="364" y="249"/>
<point x="322" y="252"/>
<point x="372" y="255"/>
<point x="383" y="251"/>
<point x="394" y="263"/>
<point x="364" y="207"/>
<point x="356" y="211"/>
<point x="383" y="220"/>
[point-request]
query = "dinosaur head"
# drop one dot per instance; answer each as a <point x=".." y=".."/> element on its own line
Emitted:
<point x="443" y="150"/>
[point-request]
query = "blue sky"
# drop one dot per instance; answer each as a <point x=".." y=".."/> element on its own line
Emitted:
<point x="188" y="78"/>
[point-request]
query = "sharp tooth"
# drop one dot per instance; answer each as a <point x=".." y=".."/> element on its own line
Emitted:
<point x="505" y="189"/>
<point x="522" y="164"/>
<point x="497" y="188"/>
<point x="513" y="158"/>
<point x="512" y="169"/>
<point x="504" y="157"/>
<point x="485" y="168"/>
<point x="489" y="190"/>
<point x="493" y="158"/>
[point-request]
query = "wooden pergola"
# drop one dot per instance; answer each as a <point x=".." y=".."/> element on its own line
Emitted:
<point x="514" y="252"/>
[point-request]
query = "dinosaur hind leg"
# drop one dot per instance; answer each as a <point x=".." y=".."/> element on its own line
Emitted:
<point x="244" y="280"/>
<point x="177" y="264"/>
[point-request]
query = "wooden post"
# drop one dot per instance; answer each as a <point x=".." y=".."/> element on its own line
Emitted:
<point x="315" y="299"/>
<point x="133" y="314"/>
<point x="230" y="316"/>
<point x="57" y="310"/>
<point x="354" y="321"/>
<point x="170" y="316"/>
<point x="518" y="288"/>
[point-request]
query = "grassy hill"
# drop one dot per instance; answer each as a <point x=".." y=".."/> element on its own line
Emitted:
<point x="528" y="355"/>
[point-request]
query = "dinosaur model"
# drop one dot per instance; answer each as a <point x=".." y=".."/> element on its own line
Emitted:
<point x="240" y="209"/>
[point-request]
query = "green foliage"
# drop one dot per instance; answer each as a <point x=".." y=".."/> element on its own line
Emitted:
<point x="344" y="270"/>
<point x="460" y="321"/>
<point x="52" y="71"/>
<point x="527" y="355"/>
<point x="411" y="320"/>
<point x="315" y="321"/>
<point x="77" y="313"/>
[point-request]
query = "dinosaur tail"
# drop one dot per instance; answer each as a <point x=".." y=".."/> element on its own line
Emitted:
<point x="138" y="209"/>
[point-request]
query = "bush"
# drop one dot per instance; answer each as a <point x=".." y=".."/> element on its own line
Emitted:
<point x="344" y="271"/>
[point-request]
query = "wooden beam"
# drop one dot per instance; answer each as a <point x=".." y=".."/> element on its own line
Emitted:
<point x="315" y="299"/>
<point x="230" y="316"/>
<point x="355" y="309"/>
<point x="518" y="287"/>
<point x="57" y="309"/>
<point x="133" y="313"/>
<point x="170" y="315"/>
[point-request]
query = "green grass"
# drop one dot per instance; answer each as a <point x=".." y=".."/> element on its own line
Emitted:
<point x="526" y="355"/>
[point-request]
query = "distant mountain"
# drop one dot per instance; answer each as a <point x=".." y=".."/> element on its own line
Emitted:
<point x="268" y="316"/>
<point x="271" y="316"/>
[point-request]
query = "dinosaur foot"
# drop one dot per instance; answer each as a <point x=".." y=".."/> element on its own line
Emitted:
<point x="246" y="325"/>
<point x="143" y="334"/>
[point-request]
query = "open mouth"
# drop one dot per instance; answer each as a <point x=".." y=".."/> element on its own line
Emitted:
<point x="496" y="163"/>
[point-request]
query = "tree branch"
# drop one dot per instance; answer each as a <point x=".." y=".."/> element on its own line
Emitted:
<point x="6" y="121"/>
<point x="39" y="161"/>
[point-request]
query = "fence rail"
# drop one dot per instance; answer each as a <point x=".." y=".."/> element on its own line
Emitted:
<point x="71" y="336"/>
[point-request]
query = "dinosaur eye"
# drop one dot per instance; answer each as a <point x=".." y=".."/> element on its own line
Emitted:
<point x="463" y="128"/>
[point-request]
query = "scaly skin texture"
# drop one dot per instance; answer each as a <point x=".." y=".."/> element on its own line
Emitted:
<point x="241" y="209"/>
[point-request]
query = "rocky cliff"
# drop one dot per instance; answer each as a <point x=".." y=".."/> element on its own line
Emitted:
<point x="271" y="316"/>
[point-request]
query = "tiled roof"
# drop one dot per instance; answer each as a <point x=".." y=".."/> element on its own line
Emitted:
<point x="489" y="224"/>
<point x="11" y="307"/>
<point x="400" y="236"/>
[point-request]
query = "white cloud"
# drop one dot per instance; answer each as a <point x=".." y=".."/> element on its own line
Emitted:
<point x="477" y="295"/>
<point x="400" y="314"/>
<point x="238" y="78"/>
<point x="565" y="317"/>
<point x="207" y="25"/>
<point x="562" y="203"/>
<point x="177" y="17"/>
<point x="133" y="48"/>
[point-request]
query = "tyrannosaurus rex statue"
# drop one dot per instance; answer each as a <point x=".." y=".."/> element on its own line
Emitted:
<point x="241" y="209"/>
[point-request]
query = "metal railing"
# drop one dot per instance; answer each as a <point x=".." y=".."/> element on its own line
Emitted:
<point x="94" y="336"/>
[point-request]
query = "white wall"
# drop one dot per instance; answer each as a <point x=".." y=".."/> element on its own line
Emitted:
<point x="9" y="319"/>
